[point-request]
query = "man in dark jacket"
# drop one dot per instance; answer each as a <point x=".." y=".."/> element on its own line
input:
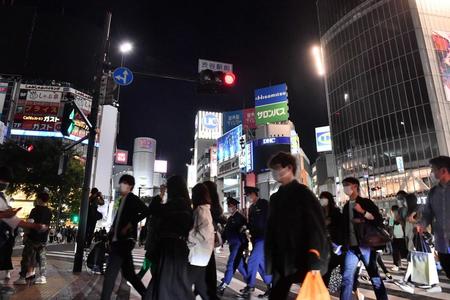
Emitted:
<point x="234" y="234"/>
<point x="296" y="240"/>
<point x="257" y="223"/>
<point x="359" y="212"/>
<point x="123" y="235"/>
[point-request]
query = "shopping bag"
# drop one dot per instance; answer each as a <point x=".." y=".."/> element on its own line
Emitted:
<point x="424" y="269"/>
<point x="313" y="288"/>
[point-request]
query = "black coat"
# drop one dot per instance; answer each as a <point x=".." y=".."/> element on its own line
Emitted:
<point x="257" y="218"/>
<point x="366" y="205"/>
<point x="334" y="223"/>
<point x="133" y="212"/>
<point x="296" y="225"/>
<point x="233" y="229"/>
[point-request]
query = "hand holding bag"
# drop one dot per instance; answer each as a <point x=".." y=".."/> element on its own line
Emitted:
<point x="424" y="269"/>
<point x="313" y="288"/>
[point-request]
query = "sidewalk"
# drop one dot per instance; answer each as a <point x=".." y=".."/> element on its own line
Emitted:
<point x="62" y="283"/>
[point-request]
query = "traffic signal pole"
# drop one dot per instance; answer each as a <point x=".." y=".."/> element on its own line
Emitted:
<point x="84" y="205"/>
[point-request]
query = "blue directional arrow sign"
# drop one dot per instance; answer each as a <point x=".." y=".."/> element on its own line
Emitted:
<point x="123" y="76"/>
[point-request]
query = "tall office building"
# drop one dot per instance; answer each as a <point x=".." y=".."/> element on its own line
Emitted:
<point x="388" y="88"/>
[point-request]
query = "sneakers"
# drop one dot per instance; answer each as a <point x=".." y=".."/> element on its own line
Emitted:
<point x="405" y="287"/>
<point x="40" y="280"/>
<point x="434" y="289"/>
<point x="21" y="281"/>
<point x="389" y="276"/>
<point x="395" y="269"/>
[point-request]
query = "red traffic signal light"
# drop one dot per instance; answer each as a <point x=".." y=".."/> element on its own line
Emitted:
<point x="229" y="78"/>
<point x="30" y="148"/>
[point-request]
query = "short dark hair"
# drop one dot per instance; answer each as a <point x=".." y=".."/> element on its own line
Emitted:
<point x="44" y="196"/>
<point x="351" y="180"/>
<point x="441" y="162"/>
<point x="5" y="174"/>
<point x="94" y="191"/>
<point x="200" y="195"/>
<point x="329" y="196"/>
<point x="283" y="159"/>
<point x="127" y="179"/>
<point x="402" y="193"/>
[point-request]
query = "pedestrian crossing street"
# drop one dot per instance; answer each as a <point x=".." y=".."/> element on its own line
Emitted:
<point x="395" y="293"/>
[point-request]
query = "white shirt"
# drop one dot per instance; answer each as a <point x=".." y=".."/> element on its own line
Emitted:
<point x="12" y="222"/>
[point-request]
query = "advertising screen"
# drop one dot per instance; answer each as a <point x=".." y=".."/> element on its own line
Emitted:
<point x="323" y="139"/>
<point x="228" y="145"/>
<point x="441" y="41"/>
<point x="264" y="149"/>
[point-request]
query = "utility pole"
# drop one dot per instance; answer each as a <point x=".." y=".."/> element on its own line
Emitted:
<point x="84" y="206"/>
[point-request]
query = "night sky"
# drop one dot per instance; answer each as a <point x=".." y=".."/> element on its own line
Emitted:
<point x="268" y="42"/>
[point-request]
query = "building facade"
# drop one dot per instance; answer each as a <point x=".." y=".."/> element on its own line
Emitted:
<point x="387" y="84"/>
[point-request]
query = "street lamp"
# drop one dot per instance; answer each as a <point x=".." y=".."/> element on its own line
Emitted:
<point x="125" y="48"/>
<point x="318" y="59"/>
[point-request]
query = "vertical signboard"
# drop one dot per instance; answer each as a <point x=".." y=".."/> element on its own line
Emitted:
<point x="441" y="41"/>
<point x="3" y="91"/>
<point x="400" y="164"/>
<point x="248" y="119"/>
<point x="323" y="139"/>
<point x="271" y="104"/>
<point x="213" y="161"/>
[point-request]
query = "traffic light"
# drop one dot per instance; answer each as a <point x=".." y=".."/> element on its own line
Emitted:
<point x="68" y="119"/>
<point x="108" y="90"/>
<point x="215" y="81"/>
<point x="75" y="218"/>
<point x="30" y="148"/>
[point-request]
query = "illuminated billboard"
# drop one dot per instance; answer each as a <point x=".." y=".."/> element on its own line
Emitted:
<point x="323" y="139"/>
<point x="39" y="109"/>
<point x="441" y="41"/>
<point x="264" y="149"/>
<point x="228" y="145"/>
<point x="121" y="157"/>
<point x="246" y="117"/>
<point x="160" y="166"/>
<point x="208" y="125"/>
<point x="271" y="104"/>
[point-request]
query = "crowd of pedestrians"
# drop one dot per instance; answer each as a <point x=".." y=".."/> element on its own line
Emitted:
<point x="284" y="239"/>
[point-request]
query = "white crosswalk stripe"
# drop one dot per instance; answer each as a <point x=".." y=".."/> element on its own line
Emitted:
<point x="395" y="293"/>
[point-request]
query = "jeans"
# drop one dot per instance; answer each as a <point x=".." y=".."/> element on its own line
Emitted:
<point x="369" y="258"/>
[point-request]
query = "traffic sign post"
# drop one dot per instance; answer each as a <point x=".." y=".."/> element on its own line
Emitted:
<point x="123" y="76"/>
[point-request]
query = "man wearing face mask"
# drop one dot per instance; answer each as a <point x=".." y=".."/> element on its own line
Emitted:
<point x="436" y="211"/>
<point x="234" y="234"/>
<point x="257" y="223"/>
<point x="296" y="240"/>
<point x="356" y="211"/>
<point x="123" y="236"/>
